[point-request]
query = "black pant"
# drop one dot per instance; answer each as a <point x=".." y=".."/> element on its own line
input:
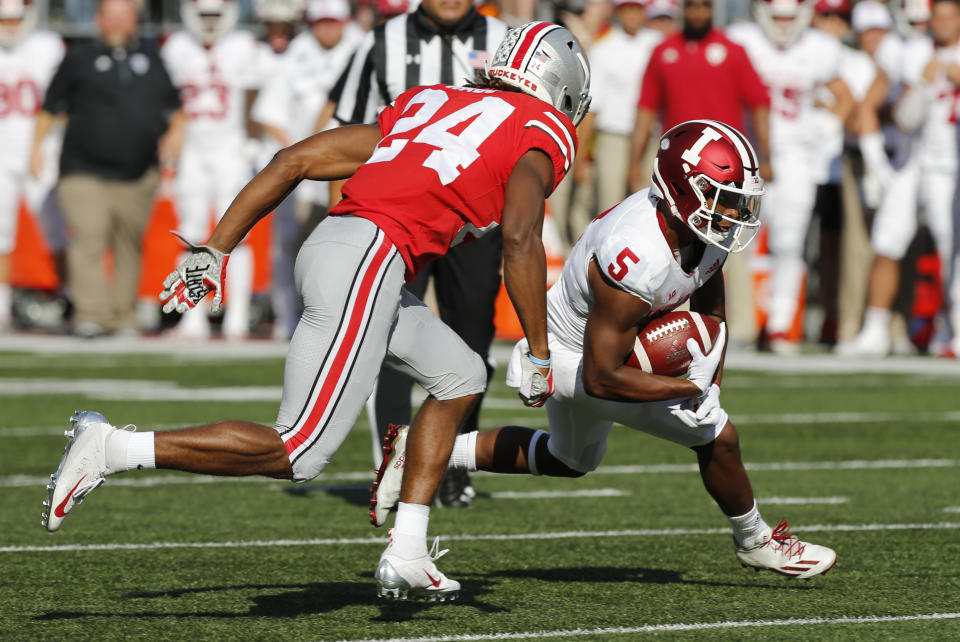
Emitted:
<point x="466" y="281"/>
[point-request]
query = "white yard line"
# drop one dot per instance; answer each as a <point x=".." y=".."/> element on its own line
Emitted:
<point x="281" y="543"/>
<point x="952" y="509"/>
<point x="138" y="480"/>
<point x="801" y="501"/>
<point x="561" y="494"/>
<point x="680" y="626"/>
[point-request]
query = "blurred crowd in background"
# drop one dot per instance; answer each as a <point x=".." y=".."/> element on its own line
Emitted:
<point x="120" y="120"/>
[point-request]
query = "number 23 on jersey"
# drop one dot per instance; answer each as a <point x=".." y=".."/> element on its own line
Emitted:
<point x="453" y="153"/>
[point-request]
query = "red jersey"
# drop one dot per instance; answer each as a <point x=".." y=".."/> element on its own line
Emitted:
<point x="709" y="78"/>
<point x="438" y="178"/>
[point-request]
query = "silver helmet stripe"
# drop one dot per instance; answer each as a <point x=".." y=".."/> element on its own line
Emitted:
<point x="527" y="43"/>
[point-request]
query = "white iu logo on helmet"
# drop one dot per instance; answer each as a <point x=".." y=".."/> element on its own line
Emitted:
<point x="692" y="155"/>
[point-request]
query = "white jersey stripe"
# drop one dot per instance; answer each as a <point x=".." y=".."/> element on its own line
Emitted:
<point x="566" y="134"/>
<point x="553" y="135"/>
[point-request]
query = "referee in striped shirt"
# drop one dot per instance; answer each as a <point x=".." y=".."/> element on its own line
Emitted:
<point x="443" y="41"/>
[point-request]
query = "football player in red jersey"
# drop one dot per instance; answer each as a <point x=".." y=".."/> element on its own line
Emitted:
<point x="637" y="261"/>
<point x="443" y="165"/>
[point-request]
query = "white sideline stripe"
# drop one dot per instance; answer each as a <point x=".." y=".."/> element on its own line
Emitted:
<point x="800" y="501"/>
<point x="693" y="626"/>
<point x="13" y="481"/>
<point x="643" y="532"/>
<point x="561" y="494"/>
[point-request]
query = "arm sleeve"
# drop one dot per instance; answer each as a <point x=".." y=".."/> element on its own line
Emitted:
<point x="650" y="87"/>
<point x="554" y="136"/>
<point x="359" y="96"/>
<point x="752" y="89"/>
<point x="60" y="89"/>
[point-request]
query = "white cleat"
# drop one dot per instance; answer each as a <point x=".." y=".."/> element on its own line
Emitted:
<point x="385" y="490"/>
<point x="82" y="468"/>
<point x="871" y="343"/>
<point x="401" y="579"/>
<point x="784" y="553"/>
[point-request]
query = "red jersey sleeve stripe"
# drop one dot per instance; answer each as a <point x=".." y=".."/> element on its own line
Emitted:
<point x="526" y="42"/>
<point x="563" y="148"/>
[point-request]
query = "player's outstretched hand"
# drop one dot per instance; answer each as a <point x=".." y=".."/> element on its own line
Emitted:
<point x="535" y="387"/>
<point x="204" y="270"/>
<point x="704" y="366"/>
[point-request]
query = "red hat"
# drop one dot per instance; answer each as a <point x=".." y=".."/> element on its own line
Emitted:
<point x="842" y="7"/>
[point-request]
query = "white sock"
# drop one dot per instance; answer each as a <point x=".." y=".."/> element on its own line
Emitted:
<point x="6" y="302"/>
<point x="464" y="455"/>
<point x="876" y="318"/>
<point x="748" y="528"/>
<point x="130" y="451"/>
<point x="409" y="534"/>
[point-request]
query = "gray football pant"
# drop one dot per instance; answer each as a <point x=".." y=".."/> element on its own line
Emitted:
<point x="357" y="316"/>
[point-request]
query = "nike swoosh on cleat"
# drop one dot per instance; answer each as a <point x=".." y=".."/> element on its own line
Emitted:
<point x="58" y="511"/>
<point x="436" y="583"/>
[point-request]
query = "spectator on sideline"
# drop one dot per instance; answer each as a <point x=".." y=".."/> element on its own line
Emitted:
<point x="443" y="41"/>
<point x="287" y="108"/>
<point x="122" y="112"/>
<point x="617" y="61"/>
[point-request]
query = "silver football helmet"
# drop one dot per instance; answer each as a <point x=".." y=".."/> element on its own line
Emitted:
<point x="546" y="61"/>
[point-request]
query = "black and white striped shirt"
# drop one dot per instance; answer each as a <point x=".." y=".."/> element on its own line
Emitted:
<point x="407" y="51"/>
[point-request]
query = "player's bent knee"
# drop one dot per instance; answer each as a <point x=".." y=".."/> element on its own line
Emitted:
<point x="468" y="378"/>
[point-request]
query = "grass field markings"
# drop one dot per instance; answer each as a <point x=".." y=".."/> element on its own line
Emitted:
<point x="952" y="509"/>
<point x="680" y="626"/>
<point x="12" y="481"/>
<point x="279" y="543"/>
<point x="800" y="501"/>
<point x="561" y="494"/>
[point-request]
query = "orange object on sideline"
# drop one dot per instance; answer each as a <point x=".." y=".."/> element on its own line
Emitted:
<point x="760" y="269"/>
<point x="31" y="266"/>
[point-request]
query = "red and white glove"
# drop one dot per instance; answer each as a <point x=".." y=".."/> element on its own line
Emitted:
<point x="204" y="270"/>
<point x="535" y="387"/>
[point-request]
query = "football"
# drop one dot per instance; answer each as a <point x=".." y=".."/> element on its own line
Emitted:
<point x="661" y="345"/>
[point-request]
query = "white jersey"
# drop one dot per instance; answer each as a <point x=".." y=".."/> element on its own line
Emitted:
<point x="25" y="71"/>
<point x="213" y="84"/>
<point x="630" y="246"/>
<point x="857" y="70"/>
<point x="305" y="73"/>
<point x="617" y="63"/>
<point x="935" y="145"/>
<point x="791" y="76"/>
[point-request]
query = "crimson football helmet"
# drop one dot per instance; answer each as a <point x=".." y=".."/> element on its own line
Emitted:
<point x="784" y="21"/>
<point x="709" y="176"/>
<point x="19" y="18"/>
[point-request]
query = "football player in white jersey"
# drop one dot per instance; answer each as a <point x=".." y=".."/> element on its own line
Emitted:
<point x="217" y="68"/>
<point x="287" y="108"/>
<point x="928" y="108"/>
<point x="657" y="249"/>
<point x="28" y="59"/>
<point x="794" y="61"/>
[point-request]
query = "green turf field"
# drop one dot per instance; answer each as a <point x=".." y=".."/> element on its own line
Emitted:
<point x="869" y="465"/>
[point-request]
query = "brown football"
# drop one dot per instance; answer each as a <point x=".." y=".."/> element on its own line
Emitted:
<point x="661" y="345"/>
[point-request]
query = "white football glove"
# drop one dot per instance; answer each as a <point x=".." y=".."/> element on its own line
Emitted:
<point x="535" y="388"/>
<point x="709" y="411"/>
<point x="704" y="366"/>
<point x="204" y="270"/>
